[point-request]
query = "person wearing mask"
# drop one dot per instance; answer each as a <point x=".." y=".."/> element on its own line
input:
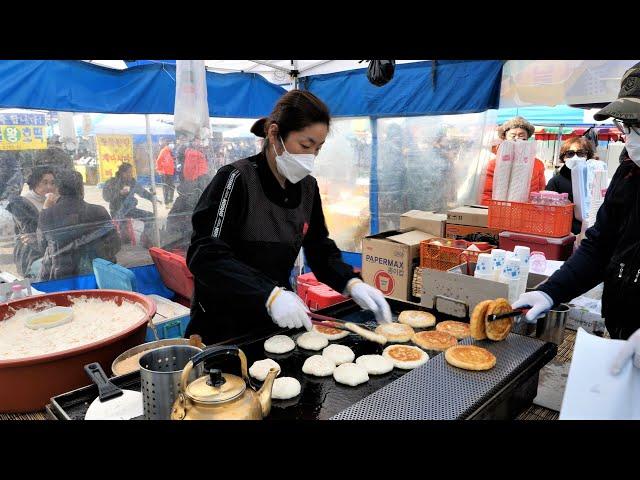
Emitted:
<point x="73" y="232"/>
<point x="610" y="252"/>
<point x="25" y="210"/>
<point x="573" y="149"/>
<point x="120" y="191"/>
<point x="517" y="129"/>
<point x="166" y="167"/>
<point x="250" y="224"/>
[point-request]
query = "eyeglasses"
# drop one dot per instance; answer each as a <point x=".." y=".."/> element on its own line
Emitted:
<point x="571" y="153"/>
<point x="626" y="127"/>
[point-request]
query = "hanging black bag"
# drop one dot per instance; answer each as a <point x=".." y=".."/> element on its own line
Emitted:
<point x="380" y="72"/>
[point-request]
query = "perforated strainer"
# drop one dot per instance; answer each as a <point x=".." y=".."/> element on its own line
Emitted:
<point x="160" y="372"/>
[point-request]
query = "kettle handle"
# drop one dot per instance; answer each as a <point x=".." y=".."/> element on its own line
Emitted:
<point x="207" y="354"/>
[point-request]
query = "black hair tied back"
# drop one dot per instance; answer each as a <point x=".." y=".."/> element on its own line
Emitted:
<point x="258" y="128"/>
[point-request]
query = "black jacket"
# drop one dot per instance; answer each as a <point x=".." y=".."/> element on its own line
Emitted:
<point x="561" y="183"/>
<point x="616" y="229"/>
<point x="72" y="233"/>
<point x="233" y="278"/>
<point x="27" y="249"/>
<point x="120" y="205"/>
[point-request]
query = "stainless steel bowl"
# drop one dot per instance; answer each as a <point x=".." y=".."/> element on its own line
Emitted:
<point x="145" y="347"/>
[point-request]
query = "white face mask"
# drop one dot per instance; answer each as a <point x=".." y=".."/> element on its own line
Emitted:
<point x="171" y="146"/>
<point x="294" y="166"/>
<point x="633" y="147"/>
<point x="571" y="162"/>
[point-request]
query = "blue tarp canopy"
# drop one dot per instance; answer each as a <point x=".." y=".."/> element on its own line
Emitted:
<point x="558" y="115"/>
<point x="76" y="86"/>
<point x="461" y="86"/>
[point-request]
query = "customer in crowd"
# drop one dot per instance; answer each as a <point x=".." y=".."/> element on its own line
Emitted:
<point x="572" y="150"/>
<point x="26" y="209"/>
<point x="73" y="232"/>
<point x="120" y="192"/>
<point x="178" y="231"/>
<point x="166" y="167"/>
<point x="54" y="155"/>
<point x="11" y="179"/>
<point x="517" y="129"/>
<point x="195" y="161"/>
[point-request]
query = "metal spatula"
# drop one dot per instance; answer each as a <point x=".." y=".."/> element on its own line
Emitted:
<point x="112" y="403"/>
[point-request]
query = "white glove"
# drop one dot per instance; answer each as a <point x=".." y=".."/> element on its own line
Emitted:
<point x="539" y="302"/>
<point x="287" y="310"/>
<point x="370" y="298"/>
<point x="631" y="348"/>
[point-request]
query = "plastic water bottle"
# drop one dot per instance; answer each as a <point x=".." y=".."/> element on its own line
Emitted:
<point x="16" y="293"/>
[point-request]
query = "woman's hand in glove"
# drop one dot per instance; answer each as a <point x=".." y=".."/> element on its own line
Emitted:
<point x="287" y="310"/>
<point x="539" y="302"/>
<point x="370" y="298"/>
<point x="631" y="348"/>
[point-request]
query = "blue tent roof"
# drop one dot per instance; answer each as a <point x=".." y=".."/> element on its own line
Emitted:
<point x="461" y="87"/>
<point x="558" y="115"/>
<point x="76" y="86"/>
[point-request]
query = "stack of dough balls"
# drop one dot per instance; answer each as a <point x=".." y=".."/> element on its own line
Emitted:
<point x="498" y="330"/>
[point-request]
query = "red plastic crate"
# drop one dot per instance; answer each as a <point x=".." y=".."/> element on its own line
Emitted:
<point x="315" y="294"/>
<point x="553" y="248"/>
<point x="174" y="272"/>
<point x="543" y="220"/>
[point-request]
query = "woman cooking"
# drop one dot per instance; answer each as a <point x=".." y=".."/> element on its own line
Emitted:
<point x="250" y="224"/>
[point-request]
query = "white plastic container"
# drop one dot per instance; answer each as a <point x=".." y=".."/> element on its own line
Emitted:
<point x="523" y="254"/>
<point x="498" y="256"/>
<point x="484" y="267"/>
<point x="511" y="276"/>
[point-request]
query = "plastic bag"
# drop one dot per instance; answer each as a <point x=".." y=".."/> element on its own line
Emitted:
<point x="191" y="114"/>
<point x="380" y="72"/>
<point x="521" y="171"/>
<point x="502" y="172"/>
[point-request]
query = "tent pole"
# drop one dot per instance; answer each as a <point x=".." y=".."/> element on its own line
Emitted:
<point x="152" y="171"/>
<point x="373" y="178"/>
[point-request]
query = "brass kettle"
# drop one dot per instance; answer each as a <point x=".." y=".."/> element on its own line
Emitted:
<point x="221" y="396"/>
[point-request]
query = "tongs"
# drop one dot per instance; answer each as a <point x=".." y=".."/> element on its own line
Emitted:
<point x="514" y="313"/>
<point x="325" y="321"/>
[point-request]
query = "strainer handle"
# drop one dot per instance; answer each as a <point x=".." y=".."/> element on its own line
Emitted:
<point x="210" y="353"/>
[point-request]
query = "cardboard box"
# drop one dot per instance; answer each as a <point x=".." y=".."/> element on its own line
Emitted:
<point x="454" y="231"/>
<point x="388" y="260"/>
<point x="428" y="222"/>
<point x="586" y="313"/>
<point x="457" y="284"/>
<point x="472" y="215"/>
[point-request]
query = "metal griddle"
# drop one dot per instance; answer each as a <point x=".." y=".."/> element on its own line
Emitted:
<point x="435" y="390"/>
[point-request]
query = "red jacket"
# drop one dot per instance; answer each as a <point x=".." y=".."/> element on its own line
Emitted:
<point x="195" y="164"/>
<point x="165" y="164"/>
<point x="538" y="181"/>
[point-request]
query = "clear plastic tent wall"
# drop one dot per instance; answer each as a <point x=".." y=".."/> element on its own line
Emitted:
<point x="369" y="171"/>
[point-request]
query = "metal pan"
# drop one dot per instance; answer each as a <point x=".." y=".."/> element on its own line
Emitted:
<point x="112" y="403"/>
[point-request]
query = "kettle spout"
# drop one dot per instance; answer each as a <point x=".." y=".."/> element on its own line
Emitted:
<point x="264" y="394"/>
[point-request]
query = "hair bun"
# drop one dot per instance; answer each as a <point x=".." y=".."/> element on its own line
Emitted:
<point x="258" y="128"/>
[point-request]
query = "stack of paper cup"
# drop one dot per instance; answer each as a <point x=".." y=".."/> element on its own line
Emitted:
<point x="523" y="254"/>
<point x="511" y="276"/>
<point x="498" y="257"/>
<point x="484" y="267"/>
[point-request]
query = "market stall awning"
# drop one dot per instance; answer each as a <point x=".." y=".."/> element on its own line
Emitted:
<point x="77" y="86"/>
<point x="454" y="87"/>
